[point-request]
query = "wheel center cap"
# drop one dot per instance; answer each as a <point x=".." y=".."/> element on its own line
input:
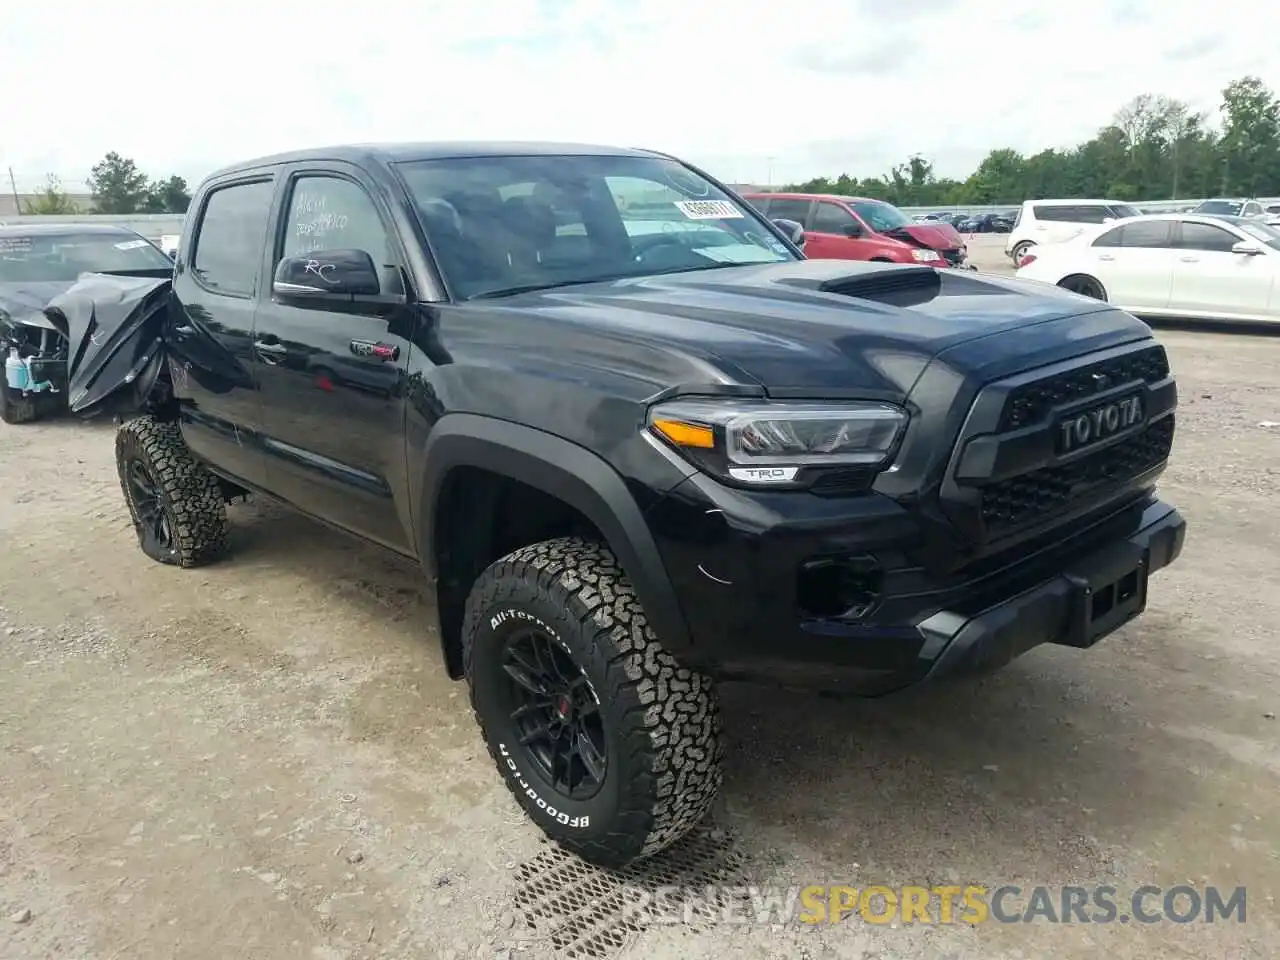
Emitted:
<point x="563" y="707"/>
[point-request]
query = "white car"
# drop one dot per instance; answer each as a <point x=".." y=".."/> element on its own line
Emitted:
<point x="1053" y="221"/>
<point x="1170" y="265"/>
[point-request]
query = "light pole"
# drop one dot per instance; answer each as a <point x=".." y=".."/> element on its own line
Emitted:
<point x="769" y="182"/>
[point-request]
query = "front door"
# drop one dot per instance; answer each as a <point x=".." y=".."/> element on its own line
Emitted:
<point x="333" y="376"/>
<point x="1210" y="280"/>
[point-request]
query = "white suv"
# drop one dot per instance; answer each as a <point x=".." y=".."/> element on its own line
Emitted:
<point x="1053" y="221"/>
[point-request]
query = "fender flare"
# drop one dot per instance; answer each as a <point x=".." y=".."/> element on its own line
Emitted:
<point x="568" y="472"/>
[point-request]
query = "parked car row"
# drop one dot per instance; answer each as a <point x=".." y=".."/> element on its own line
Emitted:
<point x="1196" y="266"/>
<point x="1000" y="222"/>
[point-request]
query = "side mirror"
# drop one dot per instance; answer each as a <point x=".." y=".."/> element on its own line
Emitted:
<point x="1246" y="249"/>
<point x="326" y="274"/>
<point x="793" y="230"/>
<point x="852" y="230"/>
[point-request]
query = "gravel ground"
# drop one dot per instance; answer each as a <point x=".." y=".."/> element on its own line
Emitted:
<point x="263" y="759"/>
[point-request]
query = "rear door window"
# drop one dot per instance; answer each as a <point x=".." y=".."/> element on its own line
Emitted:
<point x="784" y="208"/>
<point x="230" y="237"/>
<point x="1148" y="234"/>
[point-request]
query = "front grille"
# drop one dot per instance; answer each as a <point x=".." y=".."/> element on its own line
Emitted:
<point x="1042" y="493"/>
<point x="954" y="255"/>
<point x="1030" y="403"/>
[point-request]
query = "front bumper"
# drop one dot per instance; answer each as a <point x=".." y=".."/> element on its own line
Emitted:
<point x="733" y="558"/>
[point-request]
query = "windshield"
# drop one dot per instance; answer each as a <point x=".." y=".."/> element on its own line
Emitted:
<point x="881" y="217"/>
<point x="62" y="257"/>
<point x="1123" y="210"/>
<point x="1229" y="207"/>
<point x="1262" y="232"/>
<point x="502" y="224"/>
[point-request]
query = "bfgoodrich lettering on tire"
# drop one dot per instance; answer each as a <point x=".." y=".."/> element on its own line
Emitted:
<point x="611" y="747"/>
<point x="176" y="505"/>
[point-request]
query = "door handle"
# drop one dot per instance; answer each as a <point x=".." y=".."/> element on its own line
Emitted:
<point x="270" y="352"/>
<point x="1105" y="256"/>
<point x="1189" y="259"/>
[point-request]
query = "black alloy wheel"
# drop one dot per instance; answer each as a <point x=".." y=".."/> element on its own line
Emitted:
<point x="557" y="714"/>
<point x="155" y="525"/>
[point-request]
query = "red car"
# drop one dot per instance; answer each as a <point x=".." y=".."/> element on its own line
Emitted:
<point x="857" y="228"/>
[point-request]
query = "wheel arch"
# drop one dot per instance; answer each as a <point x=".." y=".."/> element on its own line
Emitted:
<point x="1079" y="275"/>
<point x="461" y="444"/>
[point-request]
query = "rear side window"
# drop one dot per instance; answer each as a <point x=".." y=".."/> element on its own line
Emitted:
<point x="760" y="203"/>
<point x="1065" y="213"/>
<point x="230" y="235"/>
<point x="1202" y="236"/>
<point x="1151" y="234"/>
<point x="780" y="208"/>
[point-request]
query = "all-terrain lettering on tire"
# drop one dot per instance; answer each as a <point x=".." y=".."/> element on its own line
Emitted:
<point x="176" y="505"/>
<point x="651" y="768"/>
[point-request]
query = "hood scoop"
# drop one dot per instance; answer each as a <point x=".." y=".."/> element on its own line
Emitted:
<point x="896" y="287"/>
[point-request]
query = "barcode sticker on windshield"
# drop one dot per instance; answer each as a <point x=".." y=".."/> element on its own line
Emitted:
<point x="131" y="244"/>
<point x="709" y="210"/>
<point x="15" y="243"/>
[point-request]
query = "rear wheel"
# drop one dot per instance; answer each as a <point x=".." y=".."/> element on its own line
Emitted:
<point x="177" y="506"/>
<point x="1020" y="251"/>
<point x="609" y="745"/>
<point x="1084" y="285"/>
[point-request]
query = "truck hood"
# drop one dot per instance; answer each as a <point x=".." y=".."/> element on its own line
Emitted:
<point x="820" y="327"/>
<point x="24" y="302"/>
<point x="934" y="236"/>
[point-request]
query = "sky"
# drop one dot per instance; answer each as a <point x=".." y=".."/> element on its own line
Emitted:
<point x="750" y="93"/>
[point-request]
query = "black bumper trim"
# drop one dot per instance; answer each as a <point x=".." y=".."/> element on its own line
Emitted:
<point x="955" y="644"/>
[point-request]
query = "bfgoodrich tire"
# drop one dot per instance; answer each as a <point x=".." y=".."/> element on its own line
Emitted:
<point x="177" y="506"/>
<point x="610" y="747"/>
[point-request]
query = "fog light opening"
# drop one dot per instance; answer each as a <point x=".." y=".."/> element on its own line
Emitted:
<point x="845" y="588"/>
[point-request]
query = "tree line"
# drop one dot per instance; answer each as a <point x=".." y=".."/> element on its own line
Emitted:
<point x="1154" y="148"/>
<point x="117" y="185"/>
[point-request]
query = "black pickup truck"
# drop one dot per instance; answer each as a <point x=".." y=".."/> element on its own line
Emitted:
<point x="641" y="444"/>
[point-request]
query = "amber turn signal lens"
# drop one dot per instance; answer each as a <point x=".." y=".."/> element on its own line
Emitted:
<point x="686" y="434"/>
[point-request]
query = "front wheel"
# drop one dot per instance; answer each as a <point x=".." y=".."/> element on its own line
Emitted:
<point x="1084" y="285"/>
<point x="177" y="506"/>
<point x="608" y="744"/>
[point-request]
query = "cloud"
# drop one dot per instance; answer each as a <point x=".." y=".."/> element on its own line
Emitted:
<point x="817" y="87"/>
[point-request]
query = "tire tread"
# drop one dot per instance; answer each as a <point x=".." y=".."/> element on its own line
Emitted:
<point x="193" y="493"/>
<point x="672" y="731"/>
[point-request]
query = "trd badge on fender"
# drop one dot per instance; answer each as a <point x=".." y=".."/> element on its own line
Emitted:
<point x="1103" y="421"/>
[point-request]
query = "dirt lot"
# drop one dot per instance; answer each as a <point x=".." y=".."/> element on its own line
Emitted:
<point x="261" y="759"/>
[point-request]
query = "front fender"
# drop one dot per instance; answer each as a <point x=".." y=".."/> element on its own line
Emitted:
<point x="564" y="470"/>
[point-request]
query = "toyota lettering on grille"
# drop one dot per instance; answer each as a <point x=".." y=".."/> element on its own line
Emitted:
<point x="1092" y="426"/>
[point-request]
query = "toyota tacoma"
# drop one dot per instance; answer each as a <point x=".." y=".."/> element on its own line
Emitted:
<point x="637" y="460"/>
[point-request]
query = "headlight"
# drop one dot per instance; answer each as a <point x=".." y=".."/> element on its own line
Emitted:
<point x="760" y="443"/>
<point x="926" y="255"/>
